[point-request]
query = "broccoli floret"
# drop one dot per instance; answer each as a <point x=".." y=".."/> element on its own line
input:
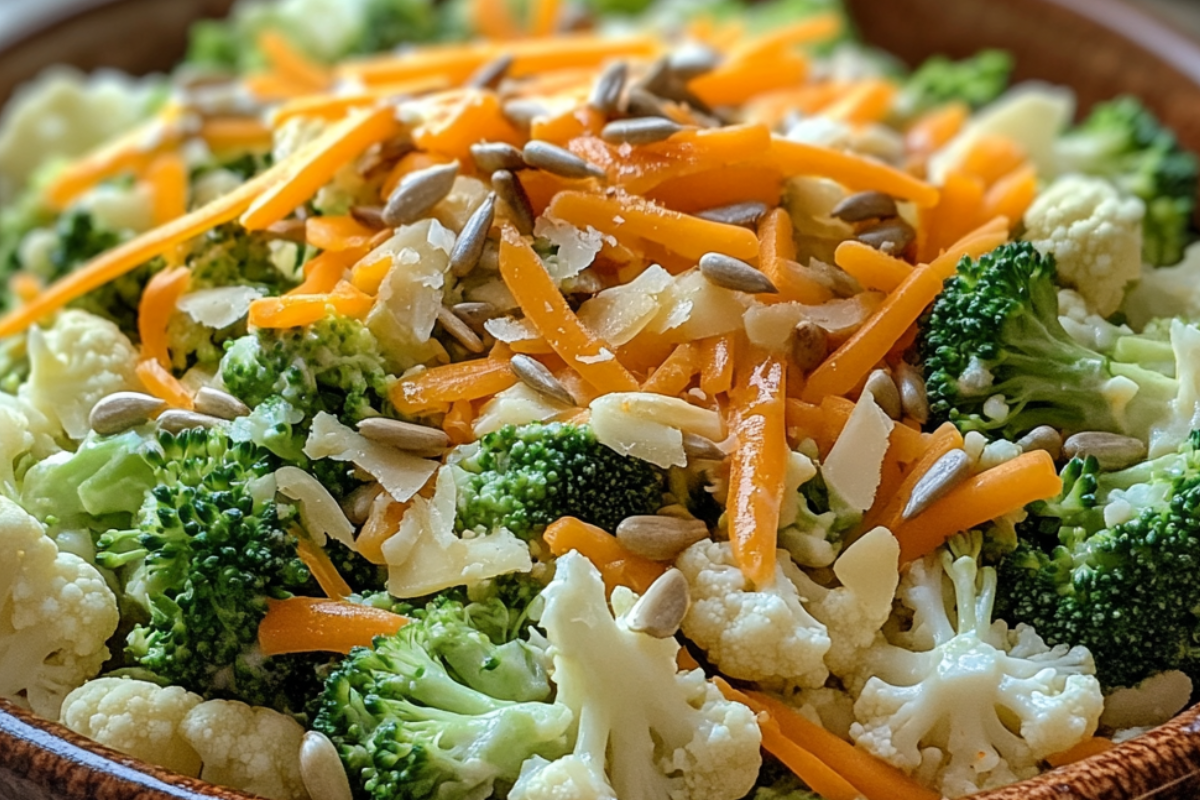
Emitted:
<point x="209" y="550"/>
<point x="1122" y="141"/>
<point x="447" y="708"/>
<point x="525" y="478"/>
<point x="997" y="358"/>
<point x="975" y="81"/>
<point x="1111" y="565"/>
<point x="333" y="365"/>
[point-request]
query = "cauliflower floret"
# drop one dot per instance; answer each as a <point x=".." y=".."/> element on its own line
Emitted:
<point x="1152" y="702"/>
<point x="1084" y="326"/>
<point x="253" y="749"/>
<point x="661" y="733"/>
<point x="23" y="431"/>
<point x="78" y="361"/>
<point x="1095" y="235"/>
<point x="972" y="705"/>
<point x="761" y="635"/>
<point x="56" y="613"/>
<point x="139" y="718"/>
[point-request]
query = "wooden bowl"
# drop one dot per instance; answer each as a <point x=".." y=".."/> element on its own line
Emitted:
<point x="1100" y="48"/>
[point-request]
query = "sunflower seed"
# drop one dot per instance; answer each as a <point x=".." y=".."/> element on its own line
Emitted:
<point x="559" y="161"/>
<point x="177" y="420"/>
<point x="490" y="74"/>
<point x="120" y="411"/>
<point x="321" y="768"/>
<point x="660" y="611"/>
<point x="534" y="374"/>
<point x="1043" y="437"/>
<point x="744" y="215"/>
<point x="458" y="329"/>
<point x="832" y="277"/>
<point x="946" y="473"/>
<point x="475" y="314"/>
<point x="731" y="273"/>
<point x="693" y="60"/>
<point x="656" y="79"/>
<point x="371" y="216"/>
<point x="606" y="93"/>
<point x="643" y="130"/>
<point x="522" y="113"/>
<point x="221" y="405"/>
<point x="660" y="538"/>
<point x="1111" y="450"/>
<point x="289" y="230"/>
<point x="491" y="156"/>
<point x="510" y="190"/>
<point x="418" y="193"/>
<point x="810" y="345"/>
<point x="384" y="156"/>
<point x="357" y="507"/>
<point x="641" y="103"/>
<point x="913" y="398"/>
<point x="701" y="448"/>
<point x="863" y="206"/>
<point x="883" y="389"/>
<point x="468" y="247"/>
<point x="890" y="237"/>
<point x="403" y="435"/>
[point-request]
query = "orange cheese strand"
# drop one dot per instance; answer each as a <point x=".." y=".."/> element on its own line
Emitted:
<point x="130" y="152"/>
<point x="291" y="63"/>
<point x="873" y="268"/>
<point x="167" y="177"/>
<point x="323" y="570"/>
<point x="295" y="310"/>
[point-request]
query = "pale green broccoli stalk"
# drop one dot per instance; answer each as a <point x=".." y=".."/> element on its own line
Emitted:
<point x="974" y="81"/>
<point x="1124" y="142"/>
<point x="525" y="478"/>
<point x="448" y="708"/>
<point x="1111" y="564"/>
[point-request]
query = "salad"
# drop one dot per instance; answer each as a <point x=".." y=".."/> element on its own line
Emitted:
<point x="601" y="400"/>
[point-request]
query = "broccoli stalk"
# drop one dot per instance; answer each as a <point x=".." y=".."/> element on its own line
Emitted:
<point x="1111" y="564"/>
<point x="997" y="358"/>
<point x="1122" y="141"/>
<point x="525" y="478"/>
<point x="446" y="708"/>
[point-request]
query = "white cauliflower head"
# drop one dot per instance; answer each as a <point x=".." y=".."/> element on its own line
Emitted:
<point x="763" y="635"/>
<point x="139" y="718"/>
<point x="75" y="363"/>
<point x="24" y="432"/>
<point x="1095" y="235"/>
<point x="253" y="749"/>
<point x="645" y="730"/>
<point x="56" y="613"/>
<point x="969" y="703"/>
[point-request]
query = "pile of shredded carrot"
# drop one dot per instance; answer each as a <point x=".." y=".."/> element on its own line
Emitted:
<point x="648" y="210"/>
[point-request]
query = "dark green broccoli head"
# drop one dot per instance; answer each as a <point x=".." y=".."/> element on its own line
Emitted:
<point x="209" y="550"/>
<point x="333" y="365"/>
<point x="994" y="332"/>
<point x="232" y="256"/>
<point x="1122" y="141"/>
<point x="447" y="708"/>
<point x="525" y="478"/>
<point x="975" y="81"/>
<point x="1124" y="590"/>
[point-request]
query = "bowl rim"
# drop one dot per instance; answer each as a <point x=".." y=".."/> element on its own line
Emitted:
<point x="44" y="755"/>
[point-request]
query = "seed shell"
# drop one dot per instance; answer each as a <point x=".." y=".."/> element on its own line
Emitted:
<point x="658" y="537"/>
<point x="510" y="190"/>
<point x="732" y="273"/>
<point x="418" y="193"/>
<point x="946" y="473"/>
<point x="468" y="247"/>
<point x="559" y="161"/>
<point x="660" y="611"/>
<point x="403" y="435"/>
<point x="120" y="411"/>
<point x="534" y="374"/>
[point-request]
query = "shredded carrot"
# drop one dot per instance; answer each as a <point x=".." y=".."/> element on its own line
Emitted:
<point x="716" y="364"/>
<point x="155" y="308"/>
<point x="562" y="128"/>
<point x="323" y="570"/>
<point x="295" y="310"/>
<point x="544" y="17"/>
<point x="131" y="152"/>
<point x="721" y="186"/>
<point x="25" y="286"/>
<point x="1091" y="746"/>
<point x="811" y="29"/>
<point x="992" y="157"/>
<point x="545" y="307"/>
<point x="776" y="258"/>
<point x="1011" y="195"/>
<point x="475" y="116"/>
<point x="909" y="442"/>
<point x="315" y="624"/>
<point x="851" y="362"/>
<point x="290" y="62"/>
<point x="272" y="86"/>
<point x="854" y="172"/>
<point x="381" y="525"/>
<point x="984" y="239"/>
<point x="459" y="422"/>
<point x="410" y="163"/>
<point x="438" y="387"/>
<point x="758" y="464"/>
<point x="957" y="212"/>
<point x="337" y="233"/>
<point x="494" y="20"/>
<point x="873" y="778"/>
<point x="934" y="129"/>
<point x="741" y="79"/>
<point x="867" y="102"/>
<point x="235" y="134"/>
<point x="618" y="566"/>
<point x="873" y="268"/>
<point x="158" y="381"/>
<point x="333" y="107"/>
<point x="689" y="236"/>
<point x="167" y="177"/>
<point x="1002" y="489"/>
<point x="323" y="272"/>
<point x="317" y="165"/>
<point x="674" y="374"/>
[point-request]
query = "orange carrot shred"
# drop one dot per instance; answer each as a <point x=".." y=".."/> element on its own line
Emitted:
<point x="25" y="286"/>
<point x="941" y="441"/>
<point x="934" y="129"/>
<point x="618" y="566"/>
<point x="323" y="570"/>
<point x="381" y="525"/>
<point x="130" y="152"/>
<point x="159" y="382"/>
<point x="544" y="17"/>
<point x="235" y="134"/>
<point x="1091" y="746"/>
<point x="290" y="62"/>
<point x="493" y="19"/>
<point x="315" y="624"/>
<point x="852" y="171"/>
<point x="323" y="272"/>
<point x="337" y="233"/>
<point x="459" y="422"/>
<point x="167" y="176"/>
<point x="1011" y="195"/>
<point x="155" y="308"/>
<point x="674" y="374"/>
<point x="440" y="386"/>
<point x="873" y="268"/>
<point x="716" y="365"/>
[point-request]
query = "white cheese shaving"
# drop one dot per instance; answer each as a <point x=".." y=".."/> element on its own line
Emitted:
<point x="401" y="474"/>
<point x="319" y="512"/>
<point x="852" y="468"/>
<point x="219" y="307"/>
